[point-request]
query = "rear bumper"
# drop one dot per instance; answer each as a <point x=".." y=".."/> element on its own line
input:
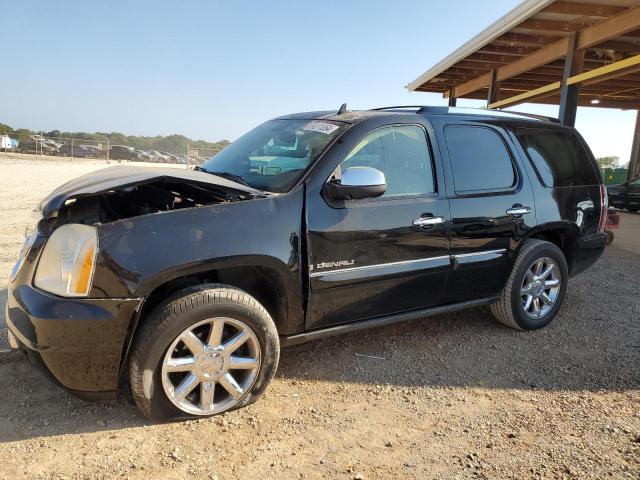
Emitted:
<point x="76" y="342"/>
<point x="590" y="249"/>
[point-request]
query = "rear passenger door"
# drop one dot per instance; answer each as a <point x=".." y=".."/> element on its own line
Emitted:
<point x="491" y="203"/>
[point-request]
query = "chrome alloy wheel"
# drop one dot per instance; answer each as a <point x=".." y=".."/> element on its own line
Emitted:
<point x="210" y="366"/>
<point x="540" y="287"/>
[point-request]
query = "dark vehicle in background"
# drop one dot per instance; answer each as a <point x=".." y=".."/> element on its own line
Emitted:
<point x="625" y="195"/>
<point x="122" y="152"/>
<point x="187" y="283"/>
<point x="77" y="151"/>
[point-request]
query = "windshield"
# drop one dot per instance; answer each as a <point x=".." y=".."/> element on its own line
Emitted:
<point x="274" y="156"/>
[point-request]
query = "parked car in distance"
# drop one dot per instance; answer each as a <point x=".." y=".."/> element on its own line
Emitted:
<point x="159" y="156"/>
<point x="122" y="152"/>
<point x="625" y="195"/>
<point x="40" y="145"/>
<point x="172" y="156"/>
<point x="187" y="283"/>
<point x="143" y="156"/>
<point x="77" y="151"/>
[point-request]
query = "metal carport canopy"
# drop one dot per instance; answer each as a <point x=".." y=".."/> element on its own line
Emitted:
<point x="567" y="53"/>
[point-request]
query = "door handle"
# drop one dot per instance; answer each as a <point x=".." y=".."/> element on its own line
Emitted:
<point x="428" y="221"/>
<point x="518" y="210"/>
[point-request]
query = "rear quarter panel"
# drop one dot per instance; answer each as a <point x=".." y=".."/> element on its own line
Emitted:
<point x="573" y="210"/>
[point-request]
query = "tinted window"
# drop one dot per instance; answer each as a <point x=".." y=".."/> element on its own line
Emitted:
<point x="401" y="153"/>
<point x="479" y="159"/>
<point x="559" y="158"/>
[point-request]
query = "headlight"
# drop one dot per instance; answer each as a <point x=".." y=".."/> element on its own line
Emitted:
<point x="68" y="261"/>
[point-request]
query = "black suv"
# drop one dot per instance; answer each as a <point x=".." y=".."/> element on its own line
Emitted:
<point x="625" y="195"/>
<point x="187" y="283"/>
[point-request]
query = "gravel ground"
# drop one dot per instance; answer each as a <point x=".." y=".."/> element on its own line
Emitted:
<point x="454" y="396"/>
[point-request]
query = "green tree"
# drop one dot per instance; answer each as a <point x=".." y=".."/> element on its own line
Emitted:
<point x="607" y="162"/>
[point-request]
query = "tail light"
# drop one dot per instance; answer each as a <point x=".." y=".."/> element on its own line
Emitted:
<point x="604" y="207"/>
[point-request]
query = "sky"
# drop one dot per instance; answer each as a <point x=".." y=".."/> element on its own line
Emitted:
<point x="212" y="70"/>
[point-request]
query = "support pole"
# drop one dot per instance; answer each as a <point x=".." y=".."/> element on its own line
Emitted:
<point x="634" y="161"/>
<point x="494" y="88"/>
<point x="573" y="64"/>
<point x="452" y="99"/>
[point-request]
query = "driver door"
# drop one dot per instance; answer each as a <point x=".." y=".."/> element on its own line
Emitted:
<point x="385" y="255"/>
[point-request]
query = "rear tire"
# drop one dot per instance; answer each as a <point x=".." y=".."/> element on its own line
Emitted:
<point x="524" y="290"/>
<point x="214" y="342"/>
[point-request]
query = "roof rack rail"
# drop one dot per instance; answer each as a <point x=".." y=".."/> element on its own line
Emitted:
<point x="534" y="115"/>
<point x="399" y="107"/>
<point x="467" y="111"/>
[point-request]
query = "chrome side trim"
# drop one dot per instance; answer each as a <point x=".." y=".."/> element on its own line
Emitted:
<point x="477" y="257"/>
<point x="380" y="266"/>
<point x="486" y="252"/>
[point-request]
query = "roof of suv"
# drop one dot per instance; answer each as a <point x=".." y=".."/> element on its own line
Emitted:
<point x="356" y="116"/>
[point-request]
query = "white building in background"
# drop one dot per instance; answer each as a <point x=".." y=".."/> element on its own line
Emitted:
<point x="6" y="143"/>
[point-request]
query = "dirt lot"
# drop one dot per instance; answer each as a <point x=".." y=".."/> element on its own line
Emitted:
<point x="455" y="396"/>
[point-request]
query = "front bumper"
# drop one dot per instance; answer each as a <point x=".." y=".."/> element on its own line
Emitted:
<point x="77" y="342"/>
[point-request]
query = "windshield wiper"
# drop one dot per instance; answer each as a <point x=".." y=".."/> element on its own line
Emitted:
<point x="227" y="175"/>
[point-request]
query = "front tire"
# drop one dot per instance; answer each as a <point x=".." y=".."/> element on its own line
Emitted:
<point x="205" y="351"/>
<point x="536" y="287"/>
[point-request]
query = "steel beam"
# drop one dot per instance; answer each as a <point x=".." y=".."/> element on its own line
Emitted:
<point x="634" y="161"/>
<point x="573" y="64"/>
<point x="494" y="88"/>
<point x="452" y="99"/>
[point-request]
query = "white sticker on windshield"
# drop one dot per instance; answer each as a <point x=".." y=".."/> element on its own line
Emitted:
<point x="321" y="127"/>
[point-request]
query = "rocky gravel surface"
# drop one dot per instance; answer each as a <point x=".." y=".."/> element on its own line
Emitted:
<point x="451" y="397"/>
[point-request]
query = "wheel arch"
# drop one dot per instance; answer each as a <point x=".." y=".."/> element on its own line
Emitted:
<point x="562" y="235"/>
<point x="266" y="283"/>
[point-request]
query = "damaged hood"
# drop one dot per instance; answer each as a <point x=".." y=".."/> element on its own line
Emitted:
<point x="121" y="177"/>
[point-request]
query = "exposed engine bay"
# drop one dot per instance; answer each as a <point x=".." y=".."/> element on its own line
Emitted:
<point x="144" y="199"/>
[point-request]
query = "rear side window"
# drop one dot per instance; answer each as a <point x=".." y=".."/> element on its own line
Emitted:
<point x="479" y="159"/>
<point x="559" y="158"/>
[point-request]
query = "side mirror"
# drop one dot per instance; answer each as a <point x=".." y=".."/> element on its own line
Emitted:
<point x="357" y="183"/>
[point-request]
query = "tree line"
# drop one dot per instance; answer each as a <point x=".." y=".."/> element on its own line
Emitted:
<point x="175" y="143"/>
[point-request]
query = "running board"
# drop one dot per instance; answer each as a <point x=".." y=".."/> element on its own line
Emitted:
<point x="382" y="321"/>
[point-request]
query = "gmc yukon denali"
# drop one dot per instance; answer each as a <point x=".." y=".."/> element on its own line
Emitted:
<point x="184" y="284"/>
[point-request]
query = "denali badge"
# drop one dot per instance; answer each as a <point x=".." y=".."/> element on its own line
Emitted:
<point x="340" y="263"/>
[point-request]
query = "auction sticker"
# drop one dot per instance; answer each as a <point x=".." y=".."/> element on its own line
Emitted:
<point x="321" y="127"/>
